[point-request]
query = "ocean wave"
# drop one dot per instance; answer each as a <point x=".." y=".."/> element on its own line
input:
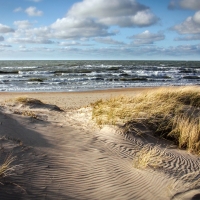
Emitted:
<point x="35" y="72"/>
<point x="91" y="75"/>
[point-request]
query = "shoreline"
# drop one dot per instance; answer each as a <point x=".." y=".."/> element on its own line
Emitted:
<point x="91" y="91"/>
<point x="74" y="99"/>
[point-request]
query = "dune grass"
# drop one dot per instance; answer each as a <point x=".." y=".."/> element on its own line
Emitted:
<point x="27" y="100"/>
<point x="6" y="168"/>
<point x="151" y="157"/>
<point x="172" y="113"/>
<point x="28" y="113"/>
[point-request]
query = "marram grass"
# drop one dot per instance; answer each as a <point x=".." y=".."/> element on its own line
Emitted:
<point x="150" y="157"/>
<point x="6" y="169"/>
<point x="172" y="113"/>
<point x="27" y="100"/>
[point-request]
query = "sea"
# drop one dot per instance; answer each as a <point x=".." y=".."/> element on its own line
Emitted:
<point x="82" y="75"/>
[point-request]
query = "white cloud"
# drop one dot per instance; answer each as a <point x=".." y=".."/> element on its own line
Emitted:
<point x="104" y="8"/>
<point x="183" y="51"/>
<point x="23" y="24"/>
<point x="190" y="26"/>
<point x="140" y="19"/>
<point x="5" y="29"/>
<point x="19" y="9"/>
<point x="73" y="43"/>
<point x="70" y="27"/>
<point x="108" y="40"/>
<point x="39" y="32"/>
<point x="196" y="17"/>
<point x="30" y="40"/>
<point x="1" y="38"/>
<point x="93" y="18"/>
<point x="45" y="49"/>
<point x="126" y="13"/>
<point x="147" y="37"/>
<point x="185" y="4"/>
<point x="32" y="11"/>
<point x="24" y="34"/>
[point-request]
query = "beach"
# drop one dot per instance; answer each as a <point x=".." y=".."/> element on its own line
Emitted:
<point x="61" y="153"/>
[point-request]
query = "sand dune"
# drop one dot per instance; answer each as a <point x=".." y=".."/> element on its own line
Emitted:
<point x="62" y="154"/>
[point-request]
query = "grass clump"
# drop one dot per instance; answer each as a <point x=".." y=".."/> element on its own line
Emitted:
<point x="172" y="113"/>
<point x="6" y="169"/>
<point x="26" y="113"/>
<point x="151" y="157"/>
<point x="27" y="100"/>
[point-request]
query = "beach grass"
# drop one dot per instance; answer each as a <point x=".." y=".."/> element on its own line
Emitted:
<point x="172" y="113"/>
<point x="27" y="100"/>
<point x="151" y="157"/>
<point x="6" y="168"/>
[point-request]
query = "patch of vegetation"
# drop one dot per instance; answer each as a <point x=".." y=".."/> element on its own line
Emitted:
<point x="5" y="168"/>
<point x="27" y="113"/>
<point x="27" y="100"/>
<point x="172" y="113"/>
<point x="151" y="157"/>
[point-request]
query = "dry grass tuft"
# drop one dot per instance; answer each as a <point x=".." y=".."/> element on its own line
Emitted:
<point x="6" y="169"/>
<point x="28" y="113"/>
<point x="27" y="100"/>
<point x="150" y="157"/>
<point x="172" y="113"/>
<point x="186" y="130"/>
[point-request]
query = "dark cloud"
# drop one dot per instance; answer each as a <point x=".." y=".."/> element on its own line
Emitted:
<point x="184" y="4"/>
<point x="1" y="38"/>
<point x="5" y="29"/>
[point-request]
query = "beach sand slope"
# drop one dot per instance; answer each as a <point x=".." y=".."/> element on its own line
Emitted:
<point x="62" y="154"/>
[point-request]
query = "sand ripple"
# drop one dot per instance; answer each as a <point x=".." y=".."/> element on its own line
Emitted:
<point x="74" y="161"/>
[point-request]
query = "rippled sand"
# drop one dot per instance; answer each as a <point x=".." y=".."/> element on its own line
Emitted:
<point x="62" y="154"/>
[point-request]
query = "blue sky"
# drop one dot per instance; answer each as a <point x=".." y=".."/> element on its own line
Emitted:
<point x="100" y="29"/>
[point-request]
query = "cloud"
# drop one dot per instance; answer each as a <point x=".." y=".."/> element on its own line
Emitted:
<point x="45" y="49"/>
<point x="24" y="34"/>
<point x="32" y="11"/>
<point x="184" y="4"/>
<point x="5" y="45"/>
<point x="188" y="38"/>
<point x="147" y="37"/>
<point x="108" y="40"/>
<point x="126" y="13"/>
<point x="190" y="26"/>
<point x="127" y="52"/>
<point x="1" y="38"/>
<point x="140" y="19"/>
<point x="70" y="27"/>
<point x="19" y="9"/>
<point x="42" y="32"/>
<point x="73" y="43"/>
<point x="23" y="24"/>
<point x="93" y="18"/>
<point x="103" y="8"/>
<point x="29" y="40"/>
<point x="5" y="29"/>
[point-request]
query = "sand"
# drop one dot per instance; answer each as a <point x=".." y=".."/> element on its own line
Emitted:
<point x="63" y="154"/>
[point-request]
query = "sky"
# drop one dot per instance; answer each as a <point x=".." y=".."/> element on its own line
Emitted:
<point x="99" y="29"/>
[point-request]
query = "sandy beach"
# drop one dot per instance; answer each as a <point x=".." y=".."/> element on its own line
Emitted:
<point x="60" y="153"/>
